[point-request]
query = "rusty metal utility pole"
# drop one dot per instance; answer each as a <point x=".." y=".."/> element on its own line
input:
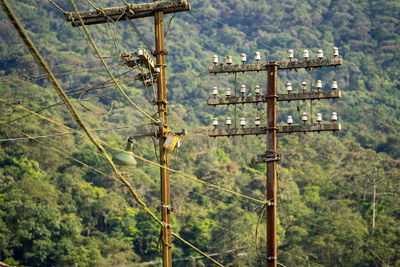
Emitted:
<point x="271" y="157"/>
<point x="271" y="129"/>
<point x="162" y="112"/>
<point x="134" y="11"/>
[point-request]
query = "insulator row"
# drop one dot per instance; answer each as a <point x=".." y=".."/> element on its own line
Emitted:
<point x="290" y="56"/>
<point x="257" y="121"/>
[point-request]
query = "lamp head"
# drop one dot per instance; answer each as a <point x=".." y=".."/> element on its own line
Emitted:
<point x="123" y="158"/>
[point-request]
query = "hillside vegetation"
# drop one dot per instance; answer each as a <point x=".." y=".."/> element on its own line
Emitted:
<point x="61" y="205"/>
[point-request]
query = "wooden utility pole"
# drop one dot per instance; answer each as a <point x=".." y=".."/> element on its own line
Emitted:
<point x="271" y="98"/>
<point x="133" y="11"/>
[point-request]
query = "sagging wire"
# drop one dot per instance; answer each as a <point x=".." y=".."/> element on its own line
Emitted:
<point x="169" y="25"/>
<point x="313" y="214"/>
<point x="151" y="101"/>
<point x="27" y="136"/>
<point x="63" y="133"/>
<point x="100" y="10"/>
<point x="37" y="56"/>
<point x="40" y="109"/>
<point x="77" y="118"/>
<point x="57" y="66"/>
<point x="286" y="215"/>
<point x="135" y="29"/>
<point x="109" y="72"/>
<point x="123" y="180"/>
<point x="27" y="115"/>
<point x="43" y="76"/>
<point x="152" y="81"/>
<point x="195" y="248"/>
<point x="58" y="7"/>
<point x="90" y="110"/>
<point x="134" y="155"/>
<point x="96" y="86"/>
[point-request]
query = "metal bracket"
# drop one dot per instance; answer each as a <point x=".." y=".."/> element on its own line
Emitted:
<point x="183" y="132"/>
<point x="267" y="157"/>
<point x="164" y="101"/>
<point x="168" y="207"/>
<point x="160" y="52"/>
<point x="272" y="96"/>
<point x="166" y="225"/>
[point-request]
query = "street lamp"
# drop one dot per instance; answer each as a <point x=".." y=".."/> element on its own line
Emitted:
<point x="123" y="158"/>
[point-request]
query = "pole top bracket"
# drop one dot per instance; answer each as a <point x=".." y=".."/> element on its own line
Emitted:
<point x="267" y="157"/>
<point x="160" y="52"/>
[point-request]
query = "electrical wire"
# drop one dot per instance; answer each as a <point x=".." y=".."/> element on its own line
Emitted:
<point x="40" y="109"/>
<point x="40" y="60"/>
<point x="44" y="76"/>
<point x="29" y="114"/>
<point x="54" y="82"/>
<point x="80" y="100"/>
<point x="249" y="239"/>
<point x="138" y="33"/>
<point x="313" y="214"/>
<point x="195" y="248"/>
<point x="57" y="66"/>
<point x="183" y="174"/>
<point x="101" y="11"/>
<point x="169" y="25"/>
<point x="27" y="136"/>
<point x="109" y="72"/>
<point x="63" y="133"/>
<point x="94" y="87"/>
<point x="214" y="199"/>
<point x="285" y="212"/>
<point x="134" y="155"/>
<point x="58" y="7"/>
<point x="151" y="101"/>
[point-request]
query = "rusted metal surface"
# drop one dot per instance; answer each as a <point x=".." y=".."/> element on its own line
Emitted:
<point x="132" y="11"/>
<point x="280" y="97"/>
<point x="264" y="159"/>
<point x="163" y="131"/>
<point x="237" y="132"/>
<point x="271" y="166"/>
<point x="308" y="64"/>
<point x="295" y="64"/>
<point x="309" y="96"/>
<point x="146" y="60"/>
<point x="310" y="128"/>
<point x="323" y="127"/>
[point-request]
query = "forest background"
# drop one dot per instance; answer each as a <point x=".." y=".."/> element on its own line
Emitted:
<point x="54" y="211"/>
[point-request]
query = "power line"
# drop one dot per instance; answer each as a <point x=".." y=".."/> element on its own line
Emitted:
<point x="94" y="87"/>
<point x="77" y="118"/>
<point x="56" y="66"/>
<point x="27" y="136"/>
<point x="134" y="155"/>
<point x="61" y="134"/>
<point x="326" y="217"/>
<point x="287" y="217"/>
<point x="202" y="195"/>
<point x="112" y="76"/>
<point x="39" y="59"/>
<point x="44" y="76"/>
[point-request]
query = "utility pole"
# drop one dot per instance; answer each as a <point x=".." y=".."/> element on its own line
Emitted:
<point x="271" y="129"/>
<point x="271" y="157"/>
<point x="134" y="11"/>
<point x="162" y="112"/>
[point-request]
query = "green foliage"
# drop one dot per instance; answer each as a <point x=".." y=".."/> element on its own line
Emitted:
<point x="55" y="211"/>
